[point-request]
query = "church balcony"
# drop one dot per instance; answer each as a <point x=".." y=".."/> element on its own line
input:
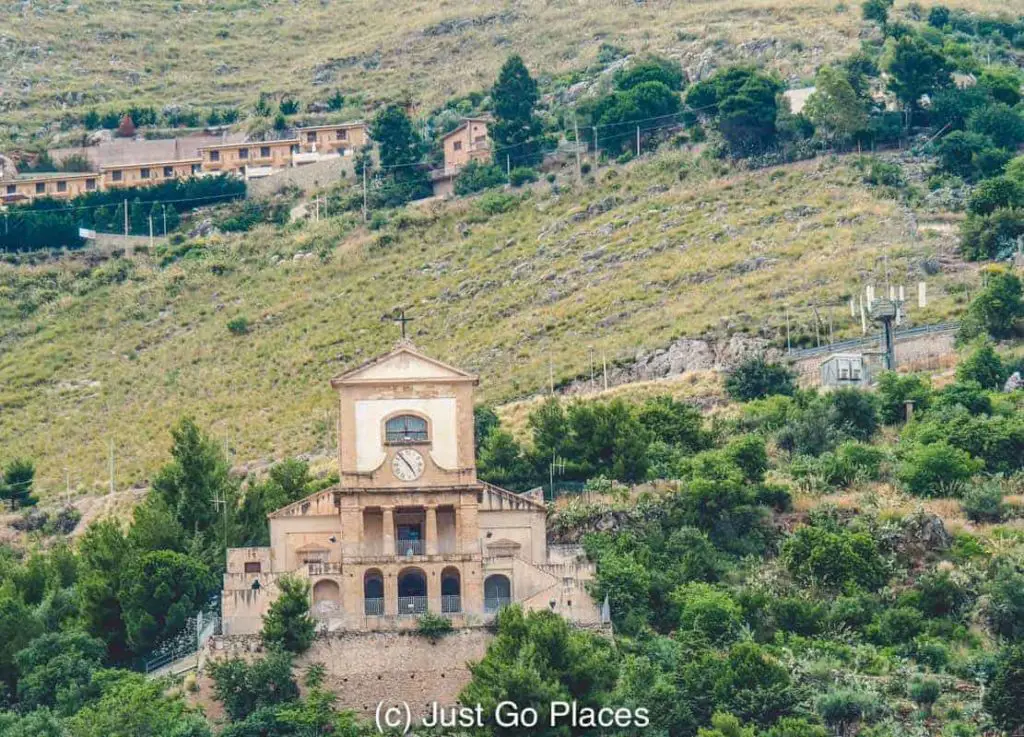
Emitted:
<point x="410" y="547"/>
<point x="451" y="604"/>
<point x="412" y="606"/>
<point x="373" y="607"/>
<point x="323" y="569"/>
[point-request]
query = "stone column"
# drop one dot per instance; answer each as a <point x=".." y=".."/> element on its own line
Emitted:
<point x="457" y="525"/>
<point x="391" y="593"/>
<point x="388" y="531"/>
<point x="431" y="531"/>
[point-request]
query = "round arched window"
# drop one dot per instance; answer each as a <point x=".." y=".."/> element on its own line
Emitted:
<point x="406" y="429"/>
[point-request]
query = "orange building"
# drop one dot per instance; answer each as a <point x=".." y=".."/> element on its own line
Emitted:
<point x="471" y="141"/>
<point x="342" y="138"/>
<point x="60" y="185"/>
<point x="235" y="157"/>
<point x="142" y="175"/>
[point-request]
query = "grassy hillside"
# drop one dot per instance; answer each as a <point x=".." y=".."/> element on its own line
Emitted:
<point x="57" y="57"/>
<point x="666" y="247"/>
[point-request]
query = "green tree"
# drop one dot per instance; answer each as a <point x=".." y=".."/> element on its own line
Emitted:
<point x="154" y="527"/>
<point x="895" y="390"/>
<point x="501" y="460"/>
<point x="674" y="422"/>
<point x="998" y="309"/>
<point x="196" y="476"/>
<point x="876" y="11"/>
<point x="983" y="366"/>
<point x="161" y="590"/>
<point x="131" y="706"/>
<point x="245" y="688"/>
<point x="104" y="552"/>
<point x="401" y="149"/>
<point x="755" y="378"/>
<point x="835" y="108"/>
<point x="476" y="177"/>
<point x="516" y="130"/>
<point x="1004" y="697"/>
<point x="834" y="559"/>
<point x="994" y="236"/>
<point x="936" y="469"/>
<point x="1000" y="122"/>
<point x="843" y="709"/>
<point x="17" y="628"/>
<point x="56" y="671"/>
<point x="650" y="69"/>
<point x="536" y="659"/>
<point x="915" y="69"/>
<point x="995" y="193"/>
<point x="1005" y="606"/>
<point x="287" y="624"/>
<point x="16" y="483"/>
<point x="708" y="612"/>
<point x="1002" y="83"/>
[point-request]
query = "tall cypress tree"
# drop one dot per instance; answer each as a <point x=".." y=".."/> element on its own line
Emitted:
<point x="516" y="130"/>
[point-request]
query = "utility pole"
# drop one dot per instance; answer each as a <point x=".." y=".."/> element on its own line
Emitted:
<point x="126" y="218"/>
<point x="508" y="168"/>
<point x="551" y="374"/>
<point x="576" y="133"/>
<point x="595" y="146"/>
<point x="111" y="465"/>
<point x="151" y="231"/>
<point x="789" y="345"/>
<point x="364" y="193"/>
<point x="604" y="361"/>
<point x="164" y="208"/>
<point x="638" y="142"/>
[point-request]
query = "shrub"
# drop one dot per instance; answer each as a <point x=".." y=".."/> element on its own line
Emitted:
<point x="983" y="366"/>
<point x="1000" y="122"/>
<point x="476" y="177"/>
<point x="433" y="626"/>
<point x="850" y="463"/>
<point x="942" y="593"/>
<point x="1005" y="606"/>
<point x="707" y="612"/>
<point x="937" y="469"/>
<point x="495" y="203"/>
<point x="992" y="236"/>
<point x="967" y="394"/>
<point x="814" y="555"/>
<point x="894" y="390"/>
<point x="1004" y="698"/>
<point x="238" y="325"/>
<point x="287" y="624"/>
<point x="897" y="625"/>
<point x="855" y="411"/>
<point x="844" y="709"/>
<point x="998" y="308"/>
<point x="931" y="653"/>
<point x="983" y="502"/>
<point x="925" y="692"/>
<point x="756" y="378"/>
<point x="522" y="175"/>
<point x="995" y="193"/>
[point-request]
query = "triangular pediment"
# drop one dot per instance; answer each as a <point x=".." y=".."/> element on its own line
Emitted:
<point x="402" y="364"/>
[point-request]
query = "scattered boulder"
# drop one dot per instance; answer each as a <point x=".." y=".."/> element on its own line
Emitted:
<point x="1014" y="383"/>
<point x="922" y="533"/>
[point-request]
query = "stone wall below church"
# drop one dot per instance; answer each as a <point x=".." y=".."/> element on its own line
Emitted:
<point x="365" y="668"/>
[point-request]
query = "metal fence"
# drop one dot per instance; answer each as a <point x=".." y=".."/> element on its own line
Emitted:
<point x="374" y="607"/>
<point x="410" y="606"/>
<point x="496" y="603"/>
<point x="451" y="604"/>
<point x="846" y="345"/>
<point x="410" y="547"/>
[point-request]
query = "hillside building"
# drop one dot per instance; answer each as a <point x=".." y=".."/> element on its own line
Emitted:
<point x="58" y="185"/>
<point x="117" y="176"/>
<point x="340" y="138"/>
<point x="409" y="529"/>
<point x="471" y="141"/>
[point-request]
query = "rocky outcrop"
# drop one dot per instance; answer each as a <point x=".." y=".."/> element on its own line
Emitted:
<point x="685" y="354"/>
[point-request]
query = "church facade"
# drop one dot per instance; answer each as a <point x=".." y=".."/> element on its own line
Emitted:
<point x="409" y="529"/>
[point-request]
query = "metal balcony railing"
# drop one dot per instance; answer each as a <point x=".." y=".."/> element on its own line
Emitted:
<point x="451" y="604"/>
<point x="494" y="604"/>
<point x="410" y="606"/>
<point x="410" y="547"/>
<point x="374" y="607"/>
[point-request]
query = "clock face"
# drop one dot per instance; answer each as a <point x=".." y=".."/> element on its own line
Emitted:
<point x="407" y="465"/>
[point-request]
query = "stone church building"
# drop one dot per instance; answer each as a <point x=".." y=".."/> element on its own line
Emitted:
<point x="409" y="529"/>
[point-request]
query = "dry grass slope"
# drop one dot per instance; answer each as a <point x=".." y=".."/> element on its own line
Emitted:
<point x="626" y="264"/>
<point x="56" y="56"/>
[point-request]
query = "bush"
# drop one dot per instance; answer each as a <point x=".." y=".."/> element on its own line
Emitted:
<point x="707" y="612"/>
<point x="844" y="709"/>
<point x="992" y="236"/>
<point x="1004" y="698"/>
<point x="983" y="367"/>
<point x="238" y="325"/>
<point x="1000" y="122"/>
<point x="756" y="378"/>
<point x="983" y="502"/>
<point x="814" y="555"/>
<point x="995" y="193"/>
<point x="852" y="462"/>
<point x="521" y="175"/>
<point x="855" y="411"/>
<point x="433" y="626"/>
<point x="925" y="692"/>
<point x="287" y="624"/>
<point x="897" y="625"/>
<point x="937" y="469"/>
<point x="495" y="203"/>
<point x="476" y="177"/>
<point x="894" y="390"/>
<point x="998" y="309"/>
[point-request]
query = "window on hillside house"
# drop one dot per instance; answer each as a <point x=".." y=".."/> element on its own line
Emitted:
<point x="406" y="429"/>
<point x="196" y="168"/>
<point x="90" y="185"/>
<point x="342" y="135"/>
<point x="457" y="146"/>
<point x="144" y="173"/>
<point x="252" y="567"/>
<point x="62" y="186"/>
<point x="168" y="172"/>
<point x="117" y="176"/>
<point x="243" y="153"/>
<point x="265" y="152"/>
<point x="215" y="156"/>
<point x="12" y="189"/>
<point x="40" y="187"/>
<point x="311" y="137"/>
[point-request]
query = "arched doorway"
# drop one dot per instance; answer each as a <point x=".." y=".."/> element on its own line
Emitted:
<point x="326" y="598"/>
<point x="373" y="593"/>
<point x="451" y="591"/>
<point x="412" y="592"/>
<point x="497" y="592"/>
